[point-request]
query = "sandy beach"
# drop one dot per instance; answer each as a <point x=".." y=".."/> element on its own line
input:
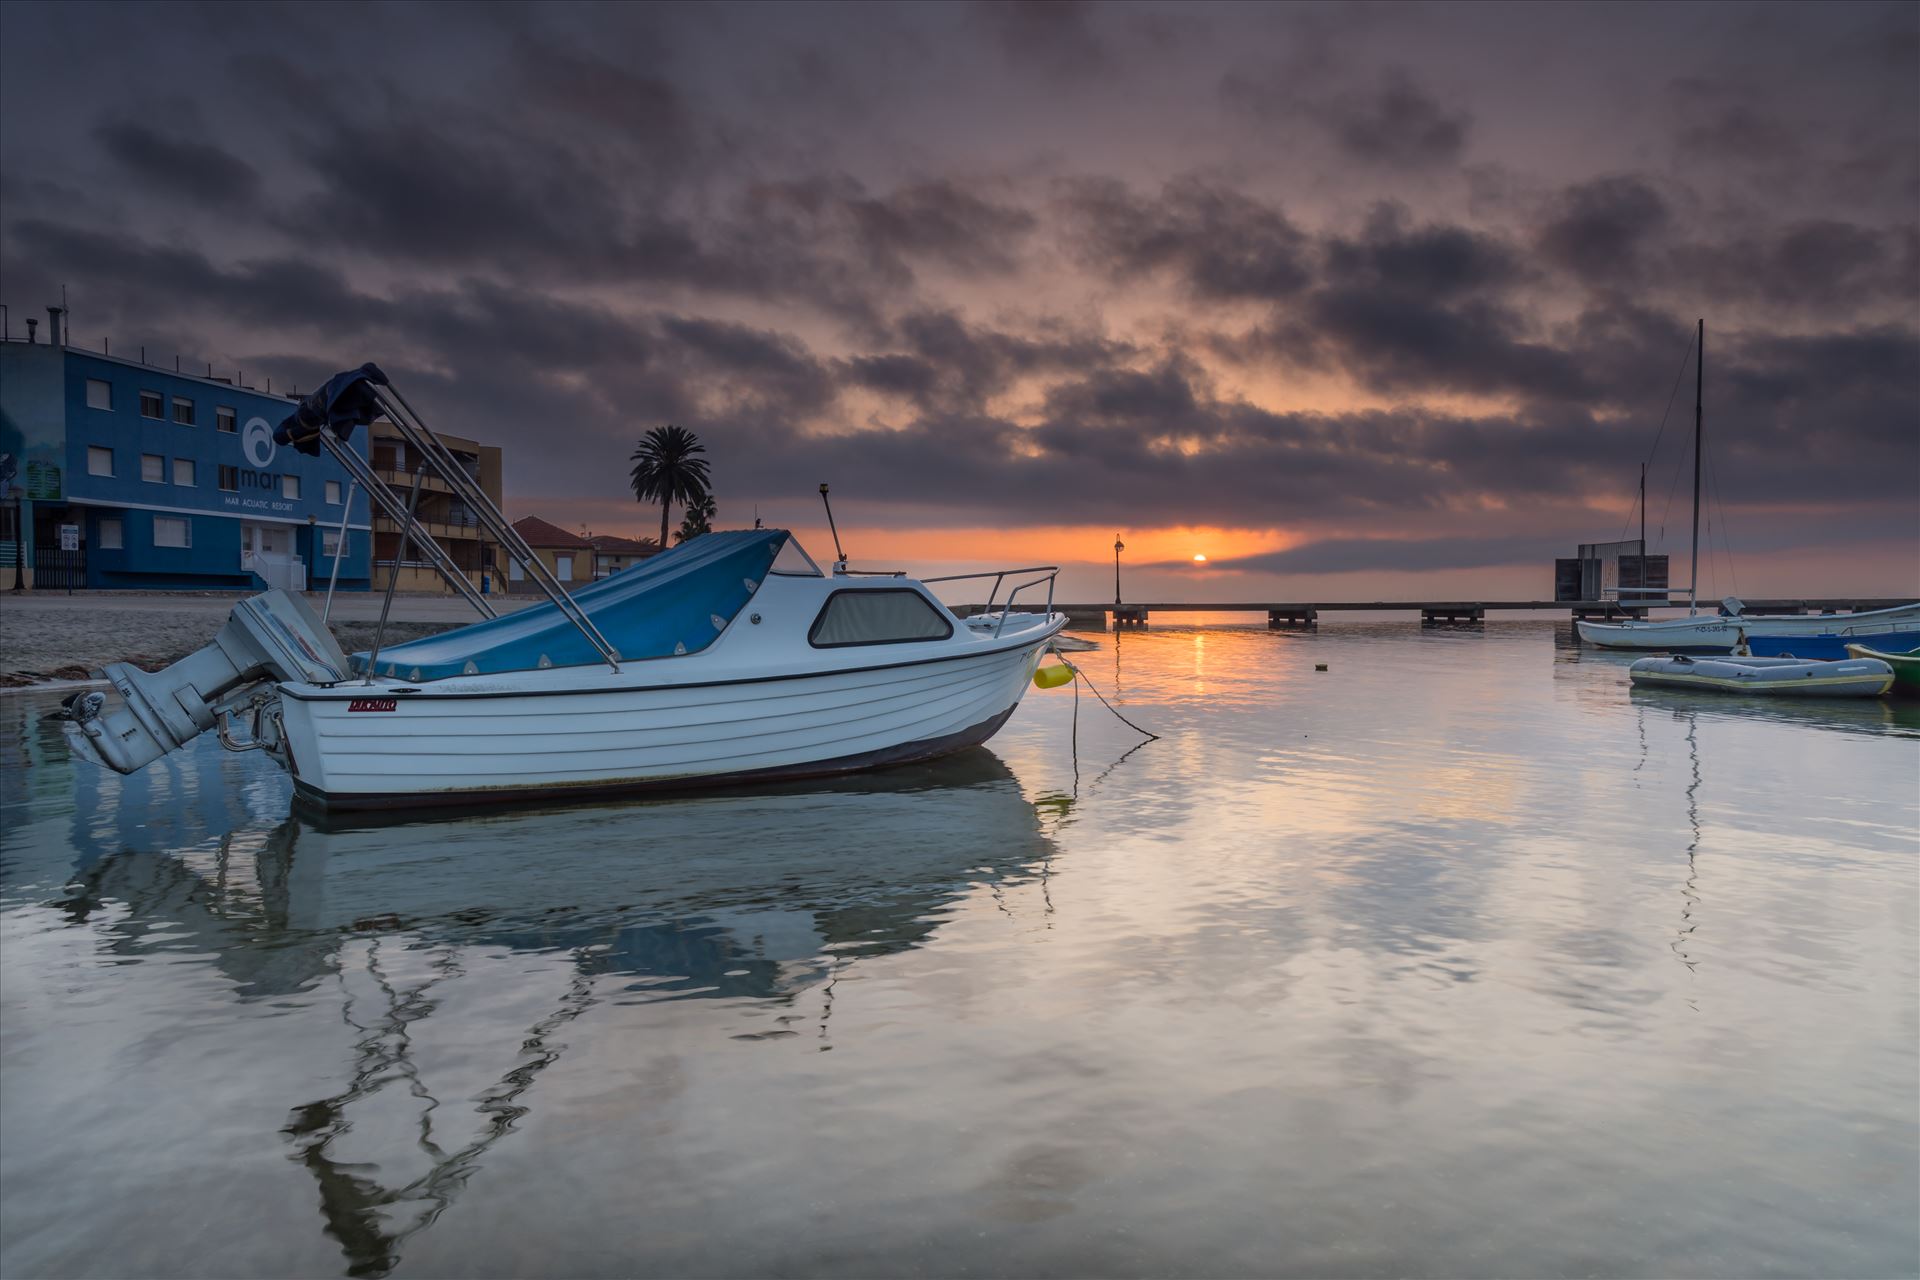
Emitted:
<point x="53" y="638"/>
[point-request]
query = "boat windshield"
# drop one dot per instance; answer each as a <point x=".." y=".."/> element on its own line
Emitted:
<point x="794" y="562"/>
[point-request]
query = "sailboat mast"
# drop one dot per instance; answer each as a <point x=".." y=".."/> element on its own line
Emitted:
<point x="1699" y="380"/>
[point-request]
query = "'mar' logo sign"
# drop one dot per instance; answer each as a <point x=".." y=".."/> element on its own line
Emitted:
<point x="374" y="704"/>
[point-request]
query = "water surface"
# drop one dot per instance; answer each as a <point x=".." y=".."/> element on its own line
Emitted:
<point x="1456" y="959"/>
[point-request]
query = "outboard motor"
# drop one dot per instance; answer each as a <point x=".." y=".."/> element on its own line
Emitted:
<point x="268" y="638"/>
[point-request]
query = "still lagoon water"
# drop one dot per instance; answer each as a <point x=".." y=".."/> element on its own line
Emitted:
<point x="1456" y="959"/>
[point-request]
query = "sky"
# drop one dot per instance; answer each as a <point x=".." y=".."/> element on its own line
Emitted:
<point x="1359" y="302"/>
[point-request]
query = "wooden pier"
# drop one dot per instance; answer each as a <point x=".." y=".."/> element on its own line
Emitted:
<point x="1301" y="615"/>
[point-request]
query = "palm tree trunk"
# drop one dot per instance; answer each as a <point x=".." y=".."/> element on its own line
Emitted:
<point x="666" y="505"/>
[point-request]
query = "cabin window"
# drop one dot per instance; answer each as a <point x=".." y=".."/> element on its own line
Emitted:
<point x="183" y="471"/>
<point x="183" y="411"/>
<point x="99" y="394"/>
<point x="99" y="460"/>
<point x="171" y="532"/>
<point x="893" y="615"/>
<point x="153" y="468"/>
<point x="225" y="419"/>
<point x="112" y="536"/>
<point x="151" y="405"/>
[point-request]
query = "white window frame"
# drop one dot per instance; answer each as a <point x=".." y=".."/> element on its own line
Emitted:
<point x="191" y="472"/>
<point x="170" y="522"/>
<point x="333" y="493"/>
<point x="330" y="543"/>
<point x="179" y="403"/>
<point x="160" y="403"/>
<point x="289" y="485"/>
<point x="516" y="572"/>
<point x="563" y="565"/>
<point x="99" y="460"/>
<point x="226" y="418"/>
<point x="156" y="463"/>
<point x="221" y="475"/>
<point x="113" y="534"/>
<point x="104" y="397"/>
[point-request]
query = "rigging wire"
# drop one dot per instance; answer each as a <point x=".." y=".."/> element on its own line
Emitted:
<point x="1726" y="539"/>
<point x="1648" y="460"/>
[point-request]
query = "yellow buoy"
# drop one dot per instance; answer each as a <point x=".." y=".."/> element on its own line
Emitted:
<point x="1052" y="677"/>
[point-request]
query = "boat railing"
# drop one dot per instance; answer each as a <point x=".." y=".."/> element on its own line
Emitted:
<point x="1049" y="574"/>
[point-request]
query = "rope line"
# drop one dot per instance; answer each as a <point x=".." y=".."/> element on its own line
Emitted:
<point x="1648" y="460"/>
<point x="1081" y="675"/>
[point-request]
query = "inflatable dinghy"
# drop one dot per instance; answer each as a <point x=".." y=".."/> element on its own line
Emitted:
<point x="1779" y="677"/>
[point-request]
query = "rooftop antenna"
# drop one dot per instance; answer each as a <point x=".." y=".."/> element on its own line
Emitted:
<point x="840" y="556"/>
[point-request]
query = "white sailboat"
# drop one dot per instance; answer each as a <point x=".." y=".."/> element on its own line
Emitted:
<point x="731" y="658"/>
<point x="1732" y="627"/>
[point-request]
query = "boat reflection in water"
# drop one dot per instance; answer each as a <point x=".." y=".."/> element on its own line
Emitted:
<point x="752" y="896"/>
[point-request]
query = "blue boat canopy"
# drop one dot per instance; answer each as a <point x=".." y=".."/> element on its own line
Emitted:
<point x="678" y="602"/>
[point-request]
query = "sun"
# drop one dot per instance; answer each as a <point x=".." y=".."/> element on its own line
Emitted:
<point x="1199" y="559"/>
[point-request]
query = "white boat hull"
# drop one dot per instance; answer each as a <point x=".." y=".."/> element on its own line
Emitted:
<point x="1720" y="633"/>
<point x="449" y="743"/>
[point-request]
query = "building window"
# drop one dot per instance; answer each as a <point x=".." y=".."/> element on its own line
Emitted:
<point x="112" y="537"/>
<point x="891" y="616"/>
<point x="333" y="493"/>
<point x="151" y="405"/>
<point x="330" y="543"/>
<point x="563" y="567"/>
<point x="183" y="471"/>
<point x="171" y="531"/>
<point x="289" y="486"/>
<point x="99" y="394"/>
<point x="183" y="411"/>
<point x="99" y="461"/>
<point x="229" y="479"/>
<point x="153" y="468"/>
<point x="516" y="571"/>
<point x="223" y="418"/>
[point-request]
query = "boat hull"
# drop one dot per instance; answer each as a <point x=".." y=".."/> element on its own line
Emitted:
<point x="1722" y="633"/>
<point x="457" y="748"/>
<point x="1906" y="666"/>
<point x="1831" y="648"/>
<point x="1768" y="677"/>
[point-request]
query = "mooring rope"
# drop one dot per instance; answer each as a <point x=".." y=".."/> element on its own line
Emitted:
<point x="1078" y="674"/>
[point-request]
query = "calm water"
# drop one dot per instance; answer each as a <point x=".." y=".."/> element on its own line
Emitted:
<point x="1457" y="959"/>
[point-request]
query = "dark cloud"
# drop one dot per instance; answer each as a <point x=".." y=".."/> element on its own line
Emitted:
<point x="1602" y="230"/>
<point x="196" y="171"/>
<point x="1217" y="242"/>
<point x="1438" y="261"/>
<point x="1053" y="37"/>
<point x="1392" y="123"/>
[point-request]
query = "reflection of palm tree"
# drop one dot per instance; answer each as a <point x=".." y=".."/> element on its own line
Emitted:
<point x="666" y="471"/>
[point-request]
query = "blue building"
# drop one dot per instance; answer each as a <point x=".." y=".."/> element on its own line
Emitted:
<point x="165" y="480"/>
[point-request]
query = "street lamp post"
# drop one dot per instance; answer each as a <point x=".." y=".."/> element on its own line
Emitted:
<point x="1118" y="547"/>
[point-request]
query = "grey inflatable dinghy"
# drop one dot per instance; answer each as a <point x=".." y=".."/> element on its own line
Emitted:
<point x="1781" y="677"/>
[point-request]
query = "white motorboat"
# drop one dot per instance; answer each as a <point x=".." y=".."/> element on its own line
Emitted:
<point x="731" y="658"/>
<point x="1732" y="628"/>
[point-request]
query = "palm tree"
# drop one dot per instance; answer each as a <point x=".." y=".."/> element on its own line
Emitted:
<point x="666" y="471"/>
